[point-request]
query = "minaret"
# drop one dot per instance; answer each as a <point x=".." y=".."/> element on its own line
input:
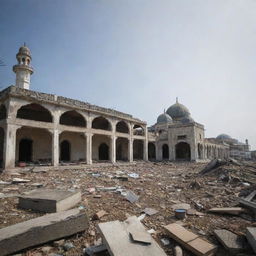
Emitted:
<point x="23" y="69"/>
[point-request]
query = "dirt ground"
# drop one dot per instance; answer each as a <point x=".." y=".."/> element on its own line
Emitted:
<point x="159" y="186"/>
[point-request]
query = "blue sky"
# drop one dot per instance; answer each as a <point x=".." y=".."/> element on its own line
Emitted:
<point x="137" y="56"/>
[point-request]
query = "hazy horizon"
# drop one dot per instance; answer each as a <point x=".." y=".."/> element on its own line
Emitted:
<point x="138" y="56"/>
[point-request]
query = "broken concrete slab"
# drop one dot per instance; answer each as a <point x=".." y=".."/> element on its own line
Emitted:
<point x="150" y="211"/>
<point x="48" y="200"/>
<point x="228" y="210"/>
<point x="116" y="237"/>
<point x="190" y="240"/>
<point x="131" y="197"/>
<point x="141" y="237"/>
<point x="251" y="237"/>
<point x="231" y="242"/>
<point x="41" y="230"/>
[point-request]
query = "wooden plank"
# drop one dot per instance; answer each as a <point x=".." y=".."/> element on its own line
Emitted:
<point x="41" y="230"/>
<point x="116" y="236"/>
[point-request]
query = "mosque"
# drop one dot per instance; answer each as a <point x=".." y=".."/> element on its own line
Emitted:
<point x="45" y="129"/>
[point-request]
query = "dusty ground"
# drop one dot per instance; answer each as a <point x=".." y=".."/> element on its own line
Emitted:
<point x="159" y="186"/>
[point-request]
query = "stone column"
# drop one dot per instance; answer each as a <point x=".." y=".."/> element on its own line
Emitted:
<point x="55" y="147"/>
<point x="113" y="149"/>
<point x="130" y="150"/>
<point x="145" y="151"/>
<point x="88" y="148"/>
<point x="9" y="146"/>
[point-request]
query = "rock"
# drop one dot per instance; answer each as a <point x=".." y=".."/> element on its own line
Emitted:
<point x="180" y="206"/>
<point x="99" y="215"/>
<point x="67" y="246"/>
<point x="232" y="242"/>
<point x="251" y="237"/>
<point x="59" y="243"/>
<point x="150" y="211"/>
<point x="177" y="251"/>
<point x="46" y="249"/>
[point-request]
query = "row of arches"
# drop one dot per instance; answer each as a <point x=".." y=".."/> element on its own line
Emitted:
<point x="37" y="112"/>
<point x="182" y="151"/>
<point x="211" y="152"/>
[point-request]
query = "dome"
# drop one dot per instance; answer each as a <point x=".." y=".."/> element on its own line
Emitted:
<point x="178" y="111"/>
<point x="186" y="120"/>
<point x="24" y="50"/>
<point x="164" y="118"/>
<point x="223" y="137"/>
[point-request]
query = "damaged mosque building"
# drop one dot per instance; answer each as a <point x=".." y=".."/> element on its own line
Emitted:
<point x="45" y="129"/>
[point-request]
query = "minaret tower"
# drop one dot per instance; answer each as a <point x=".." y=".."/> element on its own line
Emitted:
<point x="23" y="69"/>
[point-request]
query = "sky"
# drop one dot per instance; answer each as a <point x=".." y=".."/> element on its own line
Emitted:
<point x="137" y="56"/>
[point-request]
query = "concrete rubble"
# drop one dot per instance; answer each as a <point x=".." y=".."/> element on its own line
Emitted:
<point x="213" y="200"/>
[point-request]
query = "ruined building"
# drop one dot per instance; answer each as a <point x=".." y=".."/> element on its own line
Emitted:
<point x="42" y="128"/>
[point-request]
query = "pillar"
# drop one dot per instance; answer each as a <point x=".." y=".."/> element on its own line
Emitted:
<point x="145" y="151"/>
<point x="130" y="150"/>
<point x="113" y="149"/>
<point x="10" y="146"/>
<point x="89" y="148"/>
<point x="55" y="147"/>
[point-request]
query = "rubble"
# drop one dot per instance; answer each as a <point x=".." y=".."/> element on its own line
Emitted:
<point x="251" y="237"/>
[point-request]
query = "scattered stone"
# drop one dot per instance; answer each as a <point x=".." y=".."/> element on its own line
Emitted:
<point x="195" y="185"/>
<point x="19" y="180"/>
<point x="142" y="237"/>
<point x="194" y="212"/>
<point x="41" y="230"/>
<point x="228" y="210"/>
<point x="150" y="211"/>
<point x="67" y="246"/>
<point x="232" y="242"/>
<point x="95" y="250"/>
<point x="131" y="197"/>
<point x="37" y="185"/>
<point x="251" y="237"/>
<point x="165" y="241"/>
<point x="99" y="215"/>
<point x="177" y="250"/>
<point x="46" y="249"/>
<point x="5" y="182"/>
<point x="48" y="200"/>
<point x="59" y="243"/>
<point x="190" y="240"/>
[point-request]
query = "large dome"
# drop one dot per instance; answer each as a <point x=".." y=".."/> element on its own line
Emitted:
<point x="178" y="111"/>
<point x="164" y="118"/>
<point x="223" y="137"/>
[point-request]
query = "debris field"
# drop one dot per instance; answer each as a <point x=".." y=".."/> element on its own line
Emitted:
<point x="154" y="192"/>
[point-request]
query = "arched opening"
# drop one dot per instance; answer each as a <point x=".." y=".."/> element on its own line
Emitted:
<point x="182" y="150"/>
<point x="122" y="127"/>
<point x="2" y="112"/>
<point x="65" y="149"/>
<point x="165" y="152"/>
<point x="1" y="147"/>
<point x="138" y="150"/>
<point x="72" y="118"/>
<point x="25" y="150"/>
<point x="200" y="151"/>
<point x="34" y="112"/>
<point x="121" y="149"/>
<point x="138" y="130"/>
<point x="101" y="123"/>
<point x="151" y="151"/>
<point x="103" y="151"/>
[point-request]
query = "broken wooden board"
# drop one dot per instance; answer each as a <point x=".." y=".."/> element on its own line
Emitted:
<point x="189" y="240"/>
<point x="116" y="236"/>
<point x="231" y="210"/>
<point x="49" y="200"/>
<point x="41" y="230"/>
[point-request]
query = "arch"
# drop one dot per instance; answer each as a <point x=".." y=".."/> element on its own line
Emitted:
<point x="122" y="127"/>
<point x="138" y="130"/>
<point x="65" y="150"/>
<point x="25" y="150"/>
<point x="165" y="152"/>
<point x="72" y="118"/>
<point x="2" y="112"/>
<point x="183" y="152"/>
<point x="103" y="151"/>
<point x="138" y="150"/>
<point x="151" y="151"/>
<point x="101" y="123"/>
<point x="122" y="149"/>
<point x="34" y="112"/>
<point x="1" y="147"/>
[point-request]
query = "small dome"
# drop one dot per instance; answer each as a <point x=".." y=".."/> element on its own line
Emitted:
<point x="24" y="50"/>
<point x="164" y="118"/>
<point x="178" y="111"/>
<point x="186" y="120"/>
<point x="223" y="137"/>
